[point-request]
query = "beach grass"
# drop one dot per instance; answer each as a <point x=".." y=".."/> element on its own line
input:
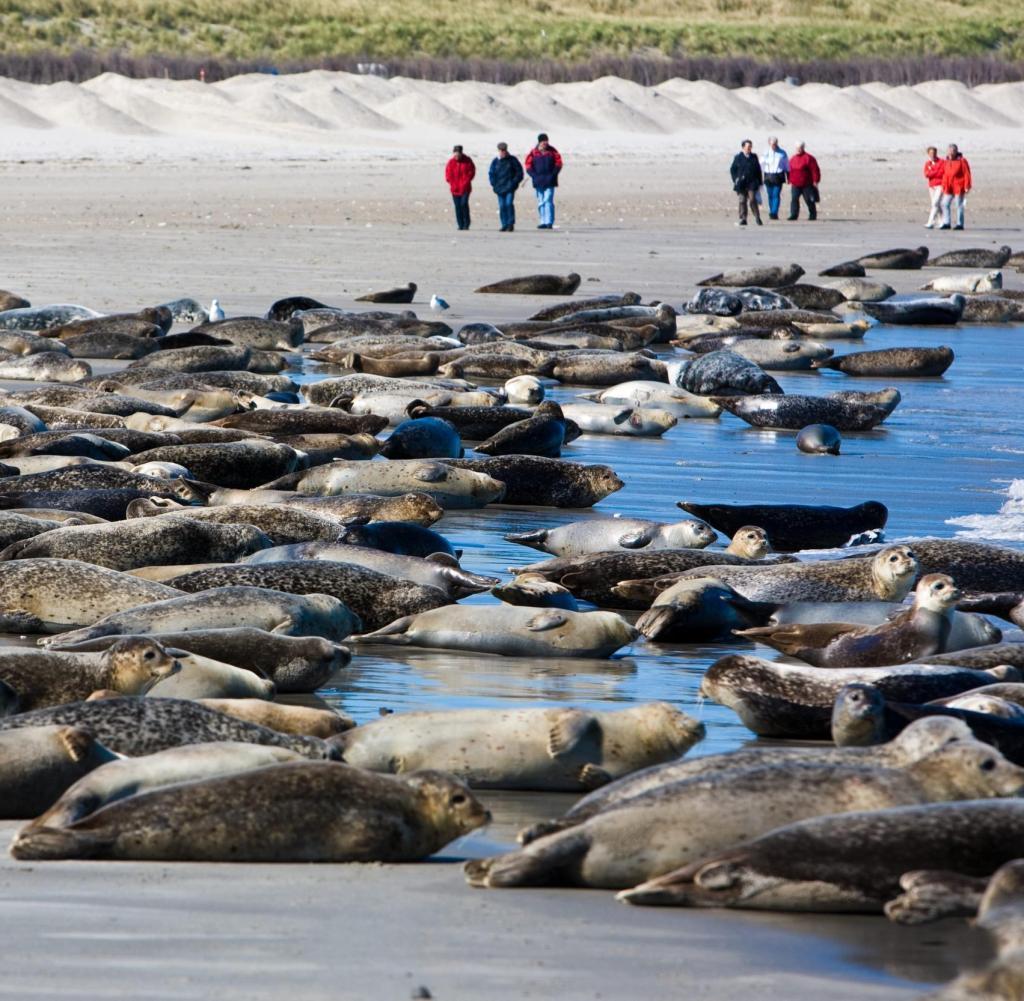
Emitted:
<point x="570" y="31"/>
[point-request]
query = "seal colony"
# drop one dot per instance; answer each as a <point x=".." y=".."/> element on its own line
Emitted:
<point x="198" y="533"/>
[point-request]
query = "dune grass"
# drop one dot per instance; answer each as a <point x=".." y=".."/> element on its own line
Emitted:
<point x="570" y="31"/>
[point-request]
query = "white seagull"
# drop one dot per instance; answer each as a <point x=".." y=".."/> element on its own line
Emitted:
<point x="438" y="304"/>
<point x="216" y="313"/>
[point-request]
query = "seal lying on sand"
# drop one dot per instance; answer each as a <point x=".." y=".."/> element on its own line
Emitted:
<point x="403" y="293"/>
<point x="974" y="257"/>
<point x="535" y="285"/>
<point x="318" y="812"/>
<point x="568" y="750"/>
<point x="768" y="277"/>
<point x="900" y="259"/>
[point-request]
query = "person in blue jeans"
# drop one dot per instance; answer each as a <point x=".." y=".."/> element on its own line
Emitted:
<point x="505" y="175"/>
<point x="544" y="164"/>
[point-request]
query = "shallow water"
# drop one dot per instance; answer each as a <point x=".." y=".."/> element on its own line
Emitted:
<point x="951" y="449"/>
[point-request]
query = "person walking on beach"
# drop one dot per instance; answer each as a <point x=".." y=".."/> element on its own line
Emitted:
<point x="544" y="164"/>
<point x="459" y="173"/>
<point x="934" y="168"/>
<point x="956" y="184"/>
<point x="804" y="176"/>
<point x="746" y="181"/>
<point x="505" y="175"/>
<point x="775" y="169"/>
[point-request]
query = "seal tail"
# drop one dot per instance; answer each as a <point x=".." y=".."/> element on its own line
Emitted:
<point x="656" y="621"/>
<point x="534" y="539"/>
<point x="550" y="862"/>
<point x="48" y="843"/>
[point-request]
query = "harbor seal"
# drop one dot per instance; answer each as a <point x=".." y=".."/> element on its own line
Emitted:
<point x="253" y="332"/>
<point x="318" y="811"/>
<point x="306" y="720"/>
<point x="782" y="355"/>
<point x="915" y="634"/>
<point x="988" y="281"/>
<point x="398" y="537"/>
<point x="767" y="277"/>
<point x="692" y="611"/>
<point x="374" y="598"/>
<point x="599" y="535"/>
<point x="750" y="543"/>
<point x="46" y="366"/>
<point x="509" y="631"/>
<point x="795" y="701"/>
<point x="892" y="362"/>
<point x="812" y="296"/>
<point x="233" y="464"/>
<point x="562" y="750"/>
<point x="44" y="678"/>
<point x="537" y="481"/>
<point x="532" y="590"/>
<point x="862" y="290"/>
<point x="645" y="393"/>
<point x="118" y="779"/>
<point x="202" y="678"/>
<point x="597" y="418"/>
<point x="849" y="862"/>
<point x="792" y="527"/>
<point x="308" y="614"/>
<point x="524" y="389"/>
<point x="678" y="824"/>
<point x="403" y="293"/>
<point x="531" y="285"/>
<point x="38" y="318"/>
<point x="312" y="420"/>
<point x="819" y="439"/>
<point x="39" y="763"/>
<point x="723" y="372"/>
<point x="293" y="663"/>
<point x="847" y="269"/>
<point x="791" y="412"/>
<point x="900" y="259"/>
<point x="919" y="312"/>
<point x="423" y="438"/>
<point x="127" y="545"/>
<point x="973" y="257"/>
<point x="136" y="727"/>
<point x="415" y="507"/>
<point x="51" y="596"/>
<point x="543" y="434"/>
<point x="284" y="309"/>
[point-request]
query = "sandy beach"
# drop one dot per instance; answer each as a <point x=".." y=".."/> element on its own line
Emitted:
<point x="203" y="201"/>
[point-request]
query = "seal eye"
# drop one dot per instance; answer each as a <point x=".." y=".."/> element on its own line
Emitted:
<point x="458" y="799"/>
<point x="988" y="765"/>
<point x="148" y="655"/>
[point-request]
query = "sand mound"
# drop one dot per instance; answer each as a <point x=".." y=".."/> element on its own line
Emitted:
<point x="271" y="107"/>
<point x="598" y="103"/>
<point x="425" y="112"/>
<point x="536" y="102"/>
<point x="958" y="99"/>
<point x="72" y="105"/>
<point x="17" y="116"/>
<point x="341" y="110"/>
<point x="716" y="104"/>
<point x="483" y="105"/>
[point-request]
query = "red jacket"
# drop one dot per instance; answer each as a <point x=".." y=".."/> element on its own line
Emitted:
<point x="933" y="171"/>
<point x="459" y="174"/>
<point x="803" y="170"/>
<point x="956" y="176"/>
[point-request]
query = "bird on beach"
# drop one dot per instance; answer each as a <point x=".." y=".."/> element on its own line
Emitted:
<point x="216" y="313"/>
<point x="438" y="304"/>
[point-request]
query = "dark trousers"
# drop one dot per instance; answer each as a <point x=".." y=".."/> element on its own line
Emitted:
<point x="507" y="209"/>
<point x="748" y="198"/>
<point x="461" y="210"/>
<point x="807" y="194"/>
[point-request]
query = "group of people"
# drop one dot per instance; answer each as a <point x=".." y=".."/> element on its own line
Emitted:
<point x="506" y="173"/>
<point x="772" y="170"/>
<point x="949" y="182"/>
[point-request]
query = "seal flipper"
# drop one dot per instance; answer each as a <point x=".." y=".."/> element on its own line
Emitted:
<point x="541" y="828"/>
<point x="443" y="560"/>
<point x="636" y="540"/>
<point x="929" y="895"/>
<point x="593" y="777"/>
<point x="547" y="862"/>
<point x="546" y="620"/>
<point x="76" y="742"/>
<point x="44" y="843"/>
<point x="570" y="731"/>
<point x="534" y="539"/>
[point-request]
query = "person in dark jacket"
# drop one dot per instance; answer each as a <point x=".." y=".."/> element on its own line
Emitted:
<point x="505" y="175"/>
<point x="459" y="173"/>
<point x="746" y="181"/>
<point x="544" y="164"/>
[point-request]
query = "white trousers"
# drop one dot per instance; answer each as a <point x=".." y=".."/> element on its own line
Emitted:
<point x="935" y="193"/>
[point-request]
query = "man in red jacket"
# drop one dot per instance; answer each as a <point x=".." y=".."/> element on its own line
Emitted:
<point x="956" y="183"/>
<point x="804" y="176"/>
<point x="459" y="173"/>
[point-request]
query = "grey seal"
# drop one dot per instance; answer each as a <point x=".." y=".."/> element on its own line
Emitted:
<point x="900" y="259"/>
<point x="542" y="434"/>
<point x="768" y="277"/>
<point x="819" y="439"/>
<point x="714" y="302"/>
<point x="923" y="311"/>
<point x="535" y="480"/>
<point x="724" y="372"/>
<point x="423" y="438"/>
<point x="598" y="535"/>
<point x="534" y="285"/>
<point x="791" y="412"/>
<point x="892" y="362"/>
<point x="972" y="257"/>
<point x="691" y="611"/>
<point x="44" y="317"/>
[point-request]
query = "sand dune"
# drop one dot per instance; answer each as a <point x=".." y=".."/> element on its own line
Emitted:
<point x="328" y="108"/>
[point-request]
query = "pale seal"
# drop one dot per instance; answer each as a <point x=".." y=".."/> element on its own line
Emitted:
<point x="599" y="535"/>
<point x="532" y="590"/>
<point x="645" y="393"/>
<point x="304" y="720"/>
<point x="988" y="281"/>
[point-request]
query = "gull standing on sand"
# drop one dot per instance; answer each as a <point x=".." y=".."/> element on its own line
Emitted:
<point x="438" y="304"/>
<point x="216" y="313"/>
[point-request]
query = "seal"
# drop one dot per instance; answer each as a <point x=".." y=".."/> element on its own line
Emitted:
<point x="558" y="750"/>
<point x="976" y="566"/>
<point x="714" y="302"/>
<point x="308" y="614"/>
<point x="137" y="727"/>
<point x="415" y="507"/>
<point x="306" y="420"/>
<point x="992" y="309"/>
<point x="892" y="362"/>
<point x="637" y="422"/>
<point x="562" y="310"/>
<point x="142" y="542"/>
<point x="990" y="655"/>
<point x="423" y="438"/>
<point x="596" y="368"/>
<point x="851" y="862"/>
<point x="293" y="663"/>
<point x="920" y="739"/>
<point x="692" y="611"/>
<point x="254" y="332"/>
<point x="118" y="779"/>
<point x="973" y="257"/>
<point x="854" y="330"/>
<point x="524" y="389"/>
<point x="403" y="293"/>
<point x="44" y="678"/>
<point x="531" y="285"/>
<point x="472" y="423"/>
<point x="980" y="701"/>
<point x="750" y="543"/>
<point x="46" y="366"/>
<point x="537" y="481"/>
<point x="41" y="762"/>
<point x="398" y="537"/>
<point x="599" y="535"/>
<point x="862" y="290"/>
<point x="34" y="318"/>
<point x="375" y="598"/>
<point x="919" y="312"/>
<point x="914" y="634"/>
<point x="723" y="372"/>
<point x="767" y="277"/>
<point x="756" y="299"/>
<point x="819" y="439"/>
<point x="676" y="825"/>
<point x="795" y="701"/>
<point x="532" y="590"/>
<point x="323" y="723"/>
<point x="988" y="281"/>
<point x="51" y="596"/>
<point x="847" y="269"/>
<point x="900" y="259"/>
<point x="239" y="465"/>
<point x="9" y="300"/>
<point x="542" y="434"/>
<point x="284" y="309"/>
<point x="812" y="296"/>
<point x="509" y="631"/>
<point x="792" y="412"/>
<point x="318" y="811"/>
<point x="643" y="393"/>
<point x="15" y="527"/>
<point x="782" y="355"/>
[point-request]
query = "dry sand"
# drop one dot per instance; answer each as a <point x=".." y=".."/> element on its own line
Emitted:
<point x="227" y="196"/>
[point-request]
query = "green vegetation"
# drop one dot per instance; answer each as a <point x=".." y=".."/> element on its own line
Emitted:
<point x="565" y="30"/>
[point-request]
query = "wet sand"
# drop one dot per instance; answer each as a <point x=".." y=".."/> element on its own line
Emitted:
<point x="117" y="237"/>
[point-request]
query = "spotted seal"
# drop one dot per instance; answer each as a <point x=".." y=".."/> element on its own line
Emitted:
<point x="310" y="420"/>
<point x="723" y="372"/>
<point x="535" y="480"/>
<point x="973" y="257"/>
<point x="892" y="362"/>
<point x="791" y="412"/>
<point x="234" y="464"/>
